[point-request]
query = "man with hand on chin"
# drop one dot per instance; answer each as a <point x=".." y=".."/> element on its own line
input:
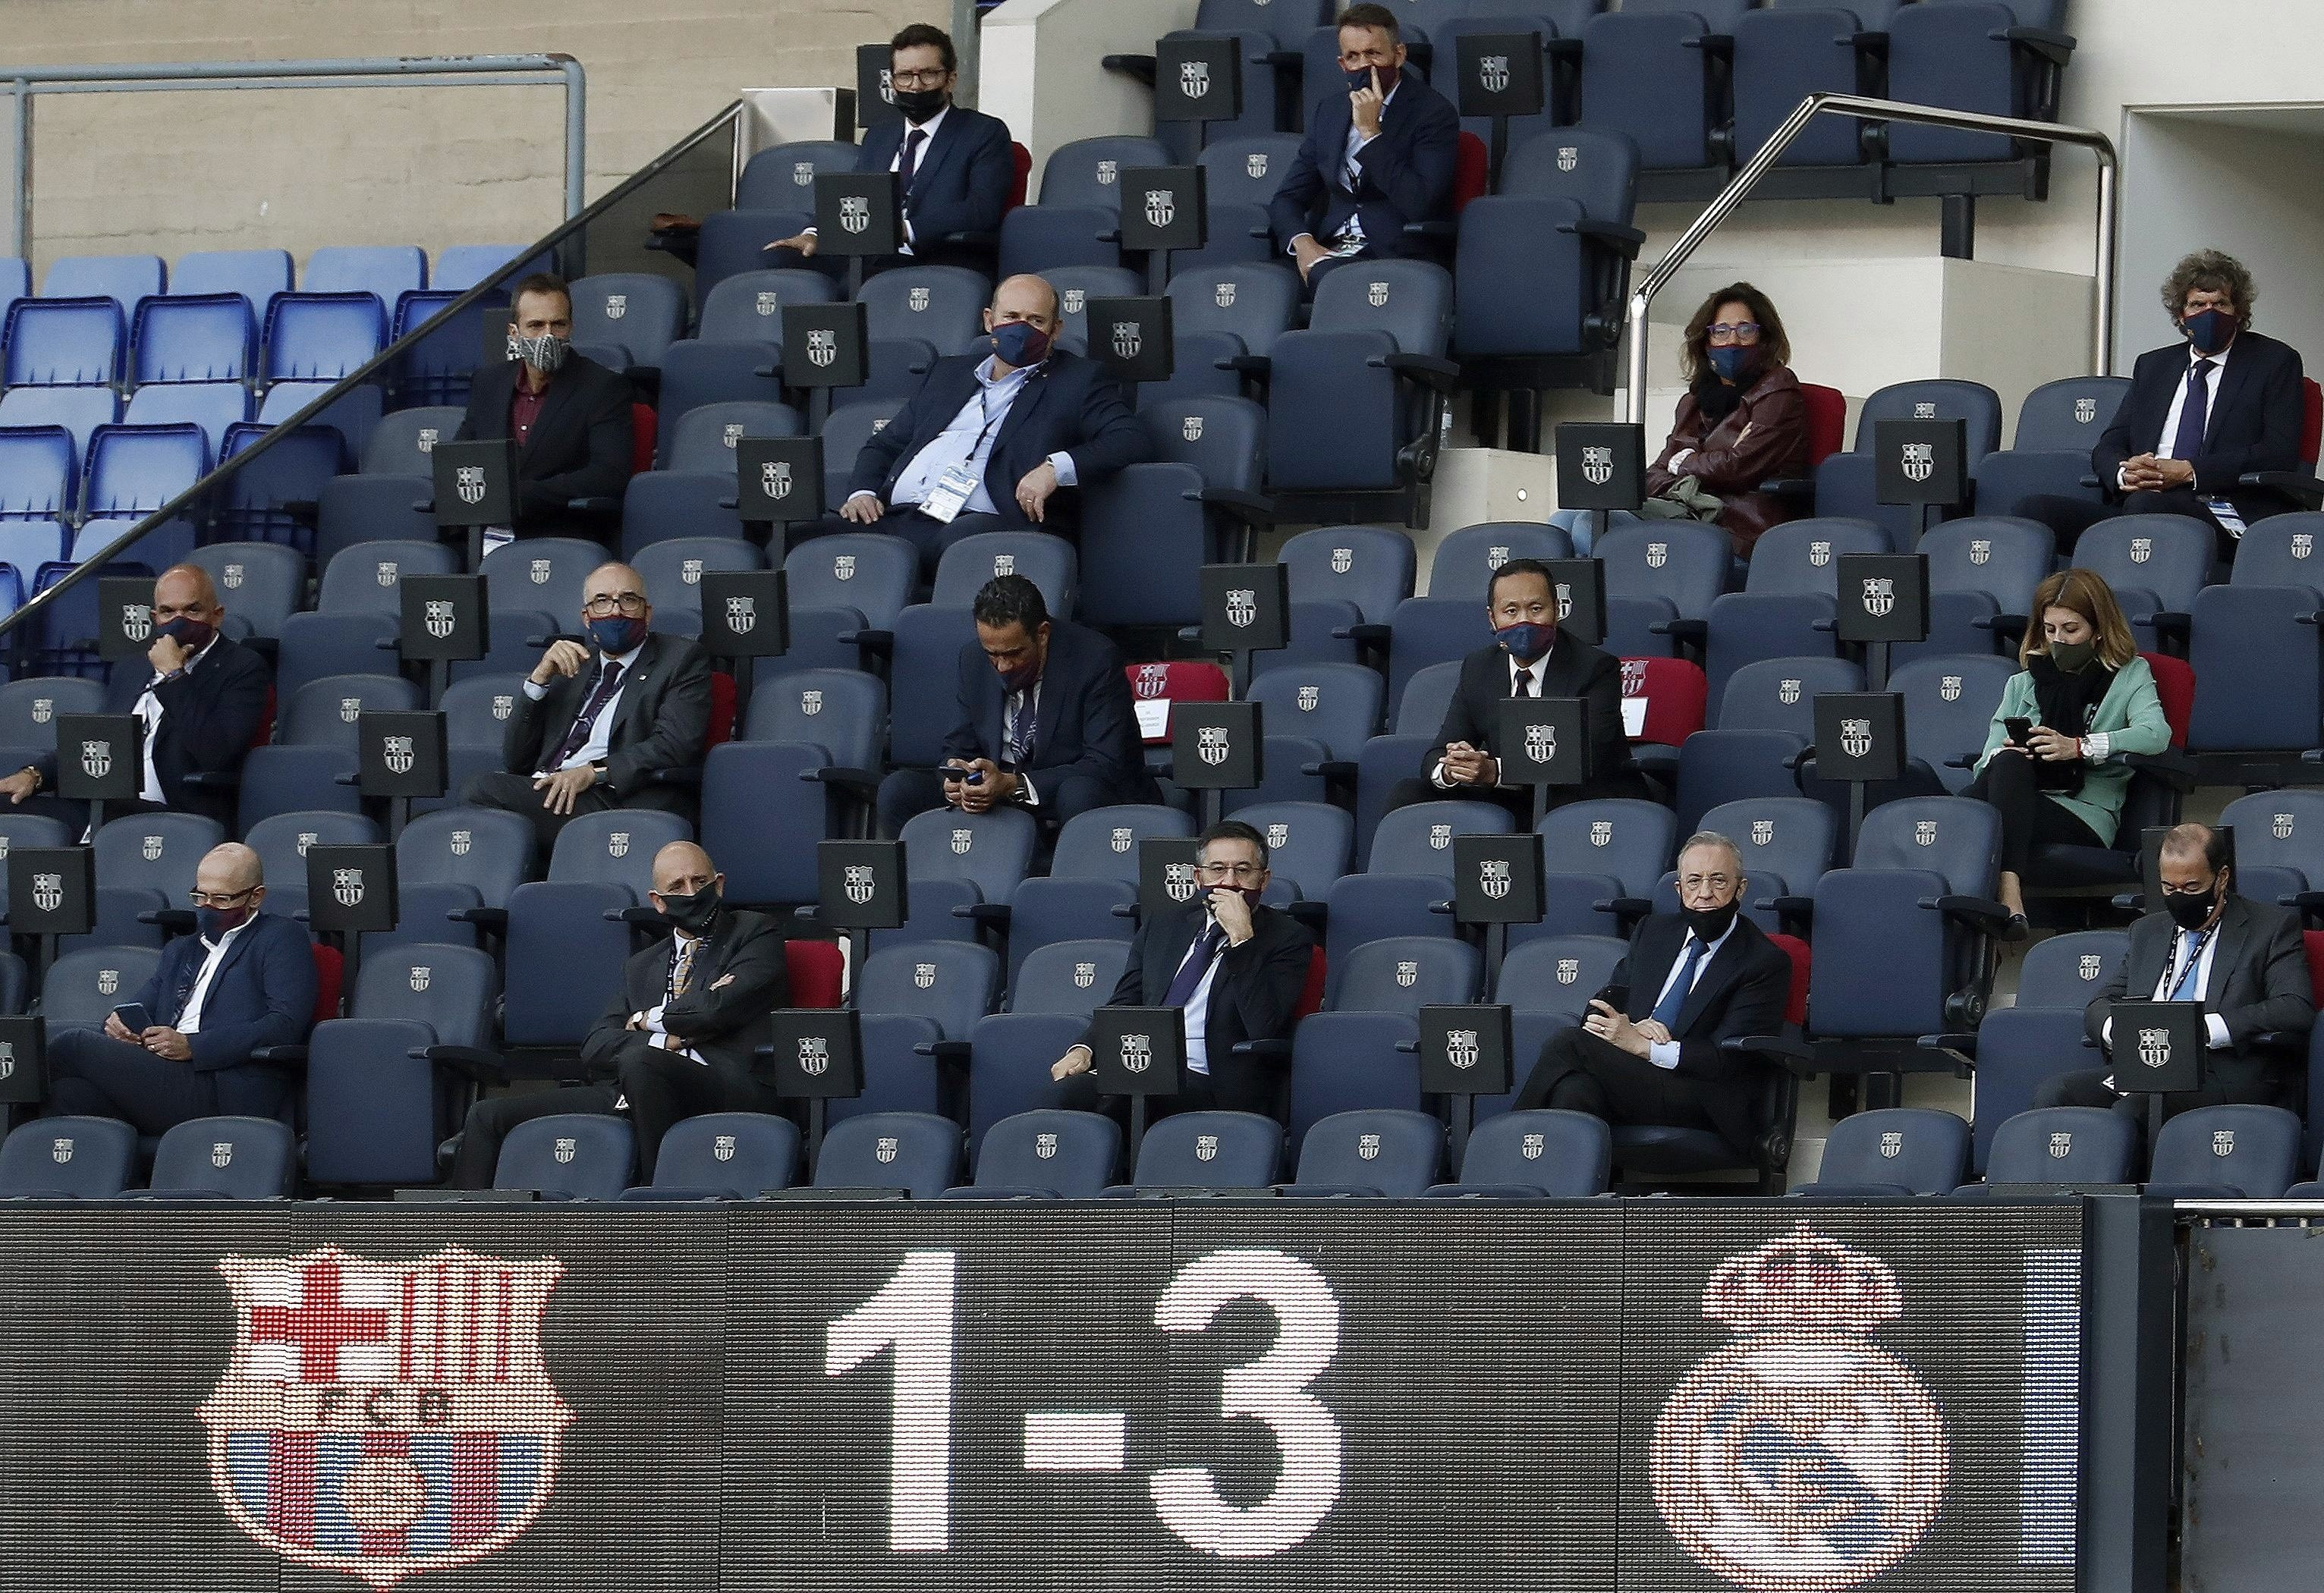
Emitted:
<point x="1529" y="656"/>
<point x="992" y="437"/>
<point x="1236" y="967"/>
<point x="592" y="728"/>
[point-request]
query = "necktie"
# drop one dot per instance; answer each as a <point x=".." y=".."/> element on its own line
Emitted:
<point x="1020" y="729"/>
<point x="608" y="683"/>
<point x="1197" y="963"/>
<point x="910" y="167"/>
<point x="681" y="966"/>
<point x="2190" y="952"/>
<point x="1665" y="1012"/>
<point x="1522" y="684"/>
<point x="2195" y="413"/>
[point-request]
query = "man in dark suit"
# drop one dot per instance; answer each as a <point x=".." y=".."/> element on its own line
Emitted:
<point x="569" y="416"/>
<point x="2198" y="417"/>
<point x="2243" y="961"/>
<point x="1046" y="722"/>
<point x="678" y="1038"/>
<point x="1374" y="161"/>
<point x="1236" y="967"/>
<point x="1529" y="657"/>
<point x="991" y="437"/>
<point x="594" y="724"/>
<point x="244" y="982"/>
<point x="954" y="167"/>
<point x="1648" y="1054"/>
<point x="202" y="697"/>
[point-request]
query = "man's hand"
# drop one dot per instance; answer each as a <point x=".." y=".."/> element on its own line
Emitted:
<point x="1364" y="105"/>
<point x="976" y="796"/>
<point x="863" y="508"/>
<point x="1033" y="492"/>
<point x="1615" y="1029"/>
<point x="1654" y="1031"/>
<point x="1466" y="766"/>
<point x="802" y="242"/>
<point x="565" y="656"/>
<point x="20" y="785"/>
<point x="114" y="1029"/>
<point x="1076" y="1060"/>
<point x="2174" y="472"/>
<point x="557" y="790"/>
<point x="167" y="655"/>
<point x="1234" y="913"/>
<point x="166" y="1043"/>
<point x="2141" y="473"/>
<point x="2050" y="747"/>
<point x="1306" y="252"/>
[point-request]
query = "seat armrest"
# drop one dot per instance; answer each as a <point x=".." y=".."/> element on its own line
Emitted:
<point x="1979" y="912"/>
<point x="2173" y="769"/>
<point x="2297" y="484"/>
<point x="485" y="1067"/>
<point x="951" y="1053"/>
<point x="984" y="915"/>
<point x="1330" y="769"/>
<point x="1251" y="509"/>
<point x="178" y="920"/>
<point x="1782" y="1049"/>
<point x="223" y="780"/>
<point x="1441" y="376"/>
<point x="855" y="782"/>
<point x="1311" y="914"/>
<point x="689" y="776"/>
<point x="1692" y="632"/>
<point x="640" y="917"/>
<point x="878" y="643"/>
<point x="1140" y="66"/>
<point x="1364" y="635"/>
<point x="1264" y="1050"/>
<point x="281" y="1056"/>
<point x="2048" y="44"/>
<point x="482" y="917"/>
<point x="1624" y="241"/>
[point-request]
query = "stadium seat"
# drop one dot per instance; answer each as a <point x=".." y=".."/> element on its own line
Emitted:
<point x="65" y="342"/>
<point x="1465" y="559"/>
<point x="369" y="578"/>
<point x="38" y="483"/>
<point x="991" y="850"/>
<point x="940" y="304"/>
<point x="748" y="307"/>
<point x="2156" y="565"/>
<point x="734" y="242"/>
<point x="124" y="277"/>
<point x="83" y="985"/>
<point x="917" y="1153"/>
<point x="1648" y="72"/>
<point x="723" y="1156"/>
<point x="1949" y="705"/>
<point x="211" y="338"/>
<point x="1783" y="56"/>
<point x="1903" y="930"/>
<point x="2063" y="1145"/>
<point x="217" y="407"/>
<point x="1896" y="1152"/>
<point x="224" y="1158"/>
<point x="321" y="337"/>
<point x="463" y="266"/>
<point x="871" y="574"/>
<point x="953" y="983"/>
<point x="1350" y="1062"/>
<point x="2225" y="1153"/>
<point x="2257" y="686"/>
<point x="1417" y="839"/>
<point x="1547" y="981"/>
<point x="1354" y="399"/>
<point x="1787" y="842"/>
<point x="1375" y="1154"/>
<point x="1045" y="1154"/>
<point x="1338" y="704"/>
<point x="1534" y="1155"/>
<point x="1046" y="560"/>
<point x="2001" y="56"/>
<point x="641" y="313"/>
<point x="1253" y="303"/>
<point x="1367" y="565"/>
<point x="784" y="174"/>
<point x="705" y="437"/>
<point x="569" y="1157"/>
<point x="67" y="1159"/>
<point x="385" y="270"/>
<point x="1206" y="1151"/>
<point x="1844" y="483"/>
<point x="1632" y="839"/>
<point x="135" y="470"/>
<point x="1308" y="843"/>
<point x="257" y="274"/>
<point x="1066" y="976"/>
<point x="760" y="801"/>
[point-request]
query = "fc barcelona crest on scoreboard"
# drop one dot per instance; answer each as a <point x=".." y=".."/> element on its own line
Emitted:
<point x="383" y="1419"/>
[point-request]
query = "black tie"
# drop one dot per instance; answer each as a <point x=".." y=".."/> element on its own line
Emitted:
<point x="578" y="736"/>
<point x="910" y="167"/>
<point x="2195" y="414"/>
<point x="1522" y="685"/>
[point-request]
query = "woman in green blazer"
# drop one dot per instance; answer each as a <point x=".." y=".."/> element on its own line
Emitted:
<point x="2087" y="700"/>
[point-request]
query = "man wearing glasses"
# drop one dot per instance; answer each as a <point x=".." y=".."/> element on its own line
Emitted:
<point x="1647" y="1055"/>
<point x="595" y="724"/>
<point x="1236" y="967"/>
<point x="954" y="167"/>
<point x="244" y="982"/>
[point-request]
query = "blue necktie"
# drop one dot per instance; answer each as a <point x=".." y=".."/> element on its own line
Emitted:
<point x="1665" y="1012"/>
<point x="2195" y="413"/>
<point x="2190" y="948"/>
<point x="1197" y="963"/>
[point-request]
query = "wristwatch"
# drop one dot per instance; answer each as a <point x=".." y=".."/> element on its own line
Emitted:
<point x="35" y="770"/>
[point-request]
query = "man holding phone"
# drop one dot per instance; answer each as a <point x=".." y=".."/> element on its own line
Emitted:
<point x="1374" y="161"/>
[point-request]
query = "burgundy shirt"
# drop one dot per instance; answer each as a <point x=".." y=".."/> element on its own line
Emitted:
<point x="524" y="409"/>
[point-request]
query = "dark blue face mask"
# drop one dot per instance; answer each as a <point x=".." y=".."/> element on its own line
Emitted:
<point x="215" y="922"/>
<point x="617" y="633"/>
<point x="1525" y="641"/>
<point x="1021" y="342"/>
<point x="193" y="635"/>
<point x="1358" y="81"/>
<point x="1730" y="363"/>
<point x="2211" y="331"/>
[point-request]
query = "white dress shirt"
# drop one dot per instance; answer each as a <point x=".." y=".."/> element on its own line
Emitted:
<point x="189" y="1022"/>
<point x="967" y="441"/>
<point x="2166" y="444"/>
<point x="1663" y="1054"/>
<point x="2215" y="1028"/>
<point x="149" y="709"/>
<point x="1533" y="673"/>
<point x="601" y="731"/>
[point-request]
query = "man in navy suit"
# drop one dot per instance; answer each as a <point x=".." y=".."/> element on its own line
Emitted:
<point x="244" y="982"/>
<point x="1373" y="163"/>
<point x="992" y="437"/>
<point x="202" y="697"/>
<point x="1046" y="723"/>
<point x="954" y="167"/>
<point x="2198" y="417"/>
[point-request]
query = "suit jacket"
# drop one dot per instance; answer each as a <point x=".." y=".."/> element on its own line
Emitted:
<point x="1745" y="989"/>
<point x="263" y="994"/>
<point x="1764" y="438"/>
<point x="2254" y="422"/>
<point x="663" y="714"/>
<point x="965" y="176"/>
<point x="2258" y="985"/>
<point x="1084" y="721"/>
<point x="737" y="980"/>
<point x="1408" y="172"/>
<point x="208" y="716"/>
<point x="1253" y="996"/>
<point x="1068" y="404"/>
<point x="579" y="447"/>
<point x="1575" y="669"/>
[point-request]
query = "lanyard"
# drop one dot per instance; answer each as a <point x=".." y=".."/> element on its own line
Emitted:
<point x="2175" y="973"/>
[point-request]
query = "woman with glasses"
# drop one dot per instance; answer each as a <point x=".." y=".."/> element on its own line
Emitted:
<point x="1741" y="423"/>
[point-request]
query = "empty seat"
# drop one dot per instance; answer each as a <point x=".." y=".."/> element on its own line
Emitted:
<point x="65" y="342"/>
<point x="322" y="337"/>
<point x="638" y="312"/>
<point x="917" y="1153"/>
<point x="1898" y="1151"/>
<point x="385" y="270"/>
<point x="211" y="338"/>
<point x="570" y="1156"/>
<point x="1383" y="1154"/>
<point x="257" y="274"/>
<point x="67" y="1158"/>
<point x="123" y="278"/>
<point x="1535" y="1154"/>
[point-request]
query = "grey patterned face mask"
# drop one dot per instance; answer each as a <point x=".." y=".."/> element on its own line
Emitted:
<point x="545" y="354"/>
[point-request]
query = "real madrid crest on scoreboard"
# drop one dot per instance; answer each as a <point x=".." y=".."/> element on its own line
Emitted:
<point x="858" y="213"/>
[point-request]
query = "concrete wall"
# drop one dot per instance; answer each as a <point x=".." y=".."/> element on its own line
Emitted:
<point x="168" y="173"/>
<point x="1041" y="74"/>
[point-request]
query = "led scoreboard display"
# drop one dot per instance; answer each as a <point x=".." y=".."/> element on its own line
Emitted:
<point x="1638" y="1397"/>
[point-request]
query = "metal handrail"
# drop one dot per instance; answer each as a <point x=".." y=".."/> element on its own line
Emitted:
<point x="378" y="364"/>
<point x="1740" y="187"/>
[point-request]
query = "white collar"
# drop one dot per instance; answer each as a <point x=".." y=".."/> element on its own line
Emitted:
<point x="219" y="944"/>
<point x="929" y="127"/>
<point x="2219" y="360"/>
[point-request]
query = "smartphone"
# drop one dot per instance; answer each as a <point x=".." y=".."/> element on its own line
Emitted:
<point x="2021" y="731"/>
<point x="966" y="777"/>
<point x="133" y="1016"/>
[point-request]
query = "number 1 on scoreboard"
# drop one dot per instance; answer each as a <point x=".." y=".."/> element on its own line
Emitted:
<point x="912" y="1314"/>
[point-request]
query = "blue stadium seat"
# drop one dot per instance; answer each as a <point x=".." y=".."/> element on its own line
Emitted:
<point x="696" y="373"/>
<point x="1253" y="303"/>
<point x="991" y="850"/>
<point x="1631" y="839"/>
<point x="1338" y="704"/>
<point x="1787" y="843"/>
<point x="37" y="484"/>
<point x="1147" y="534"/>
<point x="1783" y="56"/>
<point x="1037" y="238"/>
<point x="215" y="407"/>
<point x="314" y="644"/>
<point x="1645" y="73"/>
<point x="705" y="437"/>
<point x="257" y="274"/>
<point x="723" y="1156"/>
<point x="2069" y="415"/>
<point x="321" y="337"/>
<point x="639" y="312"/>
<point x="211" y="338"/>
<point x="1896" y="1152"/>
<point x="871" y="574"/>
<point x="748" y="307"/>
<point x="65" y="342"/>
<point x="354" y="415"/>
<point x="2257" y="686"/>
<point x="784" y="173"/>
<point x="1067" y="976"/>
<point x="1891" y="955"/>
<point x="1403" y="973"/>
<point x="480" y="847"/>
<point x="224" y="1158"/>
<point x="1533" y="1154"/>
<point x="124" y="277"/>
<point x="463" y="266"/>
<point x="761" y="810"/>
<point x="1465" y="560"/>
<point x="569" y="1157"/>
<point x="845" y="430"/>
<point x="545" y="572"/>
<point x="1010" y="1055"/>
<point x="403" y="443"/>
<point x="1369" y="1153"/>
<point x="1681" y="563"/>
<point x="915" y="1151"/>
<point x="443" y="348"/>
<point x="1350" y="402"/>
<point x="67" y="1159"/>
<point x="2001" y="56"/>
<point x="1417" y="839"/>
<point x="377" y="1107"/>
<point x="734" y="242"/>
<point x="369" y="578"/>
<point x="1075" y="286"/>
<point x="672" y="569"/>
<point x="1308" y="843"/>
<point x="2156" y="565"/>
<point x="940" y="304"/>
<point x="2063" y="1145"/>
<point x="900" y="1073"/>
<point x="1207" y="1151"/>
<point x="666" y="505"/>
<point x="1844" y="483"/>
<point x="1949" y="703"/>
<point x="952" y="982"/>
<point x="1045" y="559"/>
<point x="1048" y="1154"/>
<point x="2225" y="1153"/>
<point x="924" y="695"/>
<point x="80" y="410"/>
<point x="385" y="270"/>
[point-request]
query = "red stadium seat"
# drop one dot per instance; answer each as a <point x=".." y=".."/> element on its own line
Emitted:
<point x="1181" y="681"/>
<point x="1471" y="171"/>
<point x="1311" y="998"/>
<point x="815" y="967"/>
<point x="722" y="711"/>
<point x="2175" y="683"/>
<point x="1795" y="1011"/>
<point x="331" y="969"/>
<point x="1676" y="693"/>
<point x="1023" y="159"/>
<point x="1827" y="419"/>
<point x="642" y="436"/>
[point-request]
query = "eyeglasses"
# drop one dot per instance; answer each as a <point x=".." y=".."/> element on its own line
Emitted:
<point x="1696" y="884"/>
<point x="628" y="602"/>
<point x="1229" y="870"/>
<point x="928" y="78"/>
<point x="1735" y="332"/>
<point x="217" y="899"/>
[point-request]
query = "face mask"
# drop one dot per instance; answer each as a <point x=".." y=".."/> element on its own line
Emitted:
<point x="214" y="921"/>
<point x="2073" y="657"/>
<point x="2189" y="912"/>
<point x="2210" y="330"/>
<point x="919" y="104"/>
<point x="1730" y="363"/>
<point x="1363" y="80"/>
<point x="1021" y="677"/>
<point x="1709" y="923"/>
<point x="617" y="633"/>
<point x="544" y="354"/>
<point x="193" y="635"/>
<point x="1021" y="342"/>
<point x="1525" y="641"/>
<point x="691" y="912"/>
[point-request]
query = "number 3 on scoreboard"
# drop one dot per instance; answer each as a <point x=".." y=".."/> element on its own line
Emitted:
<point x="912" y="1314"/>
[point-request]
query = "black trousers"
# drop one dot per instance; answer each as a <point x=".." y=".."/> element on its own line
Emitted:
<point x="908" y="793"/>
<point x="513" y="793"/>
<point x="1518" y="800"/>
<point x="2068" y="518"/>
<point x="93" y="1075"/>
<point x="2087" y="1087"/>
<point x="489" y="1122"/>
<point x="1578" y="1072"/>
<point x="931" y="536"/>
<point x="665" y="1088"/>
<point x="1198" y="1092"/>
<point x="2028" y="817"/>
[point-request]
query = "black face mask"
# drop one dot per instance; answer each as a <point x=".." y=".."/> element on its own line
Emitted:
<point x="919" y="104"/>
<point x="2191" y="912"/>
<point x="693" y="913"/>
<point x="1709" y="923"/>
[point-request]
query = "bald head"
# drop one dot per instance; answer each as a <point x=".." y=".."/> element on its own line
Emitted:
<point x="185" y="589"/>
<point x="682" y="868"/>
<point x="228" y="868"/>
<point x="614" y="591"/>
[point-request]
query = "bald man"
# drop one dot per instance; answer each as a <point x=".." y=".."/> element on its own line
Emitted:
<point x="597" y="723"/>
<point x="993" y="437"/>
<point x="244" y="981"/>
<point x="680" y="1037"/>
<point x="201" y="695"/>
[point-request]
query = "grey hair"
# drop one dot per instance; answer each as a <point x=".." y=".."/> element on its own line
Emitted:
<point x="1713" y="838"/>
